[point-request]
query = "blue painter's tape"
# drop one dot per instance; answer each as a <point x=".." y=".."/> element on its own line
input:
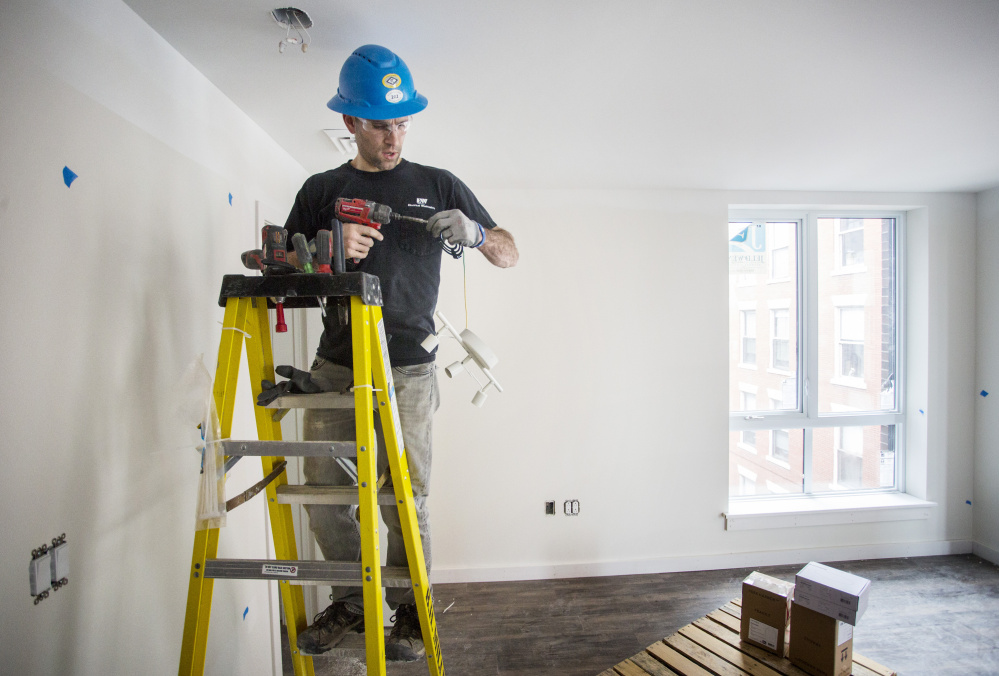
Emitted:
<point x="230" y="199"/>
<point x="922" y="412"/>
<point x="68" y="176"/>
<point x="984" y="393"/>
<point x="968" y="501"/>
<point x="246" y="611"/>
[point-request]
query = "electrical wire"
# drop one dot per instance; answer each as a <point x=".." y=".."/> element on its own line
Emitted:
<point x="456" y="252"/>
<point x="307" y="40"/>
<point x="453" y="250"/>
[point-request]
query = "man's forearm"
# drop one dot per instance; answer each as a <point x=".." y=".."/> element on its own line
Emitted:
<point x="499" y="248"/>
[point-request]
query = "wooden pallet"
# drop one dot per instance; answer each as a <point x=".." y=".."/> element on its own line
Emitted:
<point x="711" y="647"/>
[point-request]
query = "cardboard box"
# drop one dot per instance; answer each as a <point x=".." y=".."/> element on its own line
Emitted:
<point x="820" y="645"/>
<point x="832" y="591"/>
<point x="829" y="608"/>
<point x="766" y="611"/>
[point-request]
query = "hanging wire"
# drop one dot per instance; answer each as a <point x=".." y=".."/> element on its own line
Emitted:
<point x="308" y="38"/>
<point x="453" y="250"/>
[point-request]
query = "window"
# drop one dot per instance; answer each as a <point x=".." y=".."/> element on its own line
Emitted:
<point x="780" y="445"/>
<point x="748" y="437"/>
<point x="849" y="443"/>
<point x="829" y="284"/>
<point x="850" y="242"/>
<point x="780" y="441"/>
<point x="850" y="342"/>
<point x="780" y="251"/>
<point x="747" y="482"/>
<point x="780" y="344"/>
<point x="749" y="337"/>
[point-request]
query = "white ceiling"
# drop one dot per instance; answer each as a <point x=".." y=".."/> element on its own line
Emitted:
<point x="871" y="95"/>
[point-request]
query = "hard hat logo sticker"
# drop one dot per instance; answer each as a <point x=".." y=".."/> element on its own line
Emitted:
<point x="392" y="80"/>
<point x="394" y="96"/>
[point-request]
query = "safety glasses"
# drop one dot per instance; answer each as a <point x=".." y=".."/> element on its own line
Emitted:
<point x="386" y="127"/>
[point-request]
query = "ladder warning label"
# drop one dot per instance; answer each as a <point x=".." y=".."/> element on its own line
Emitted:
<point x="284" y="571"/>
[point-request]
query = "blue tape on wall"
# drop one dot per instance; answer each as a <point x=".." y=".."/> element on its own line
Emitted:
<point x="68" y="176"/>
<point x="246" y="611"/>
<point x="984" y="393"/>
<point x="968" y="501"/>
<point x="230" y="199"/>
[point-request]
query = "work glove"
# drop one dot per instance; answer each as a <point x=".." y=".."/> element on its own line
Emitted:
<point x="456" y="227"/>
<point x="299" y="382"/>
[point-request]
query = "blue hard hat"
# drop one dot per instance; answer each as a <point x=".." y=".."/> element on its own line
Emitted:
<point x="375" y="84"/>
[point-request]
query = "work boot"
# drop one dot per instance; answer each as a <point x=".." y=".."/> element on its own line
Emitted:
<point x="405" y="643"/>
<point x="328" y="629"/>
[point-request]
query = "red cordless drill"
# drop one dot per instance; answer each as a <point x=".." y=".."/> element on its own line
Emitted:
<point x="272" y="258"/>
<point x="362" y="211"/>
<point x="372" y="214"/>
<point x="275" y="241"/>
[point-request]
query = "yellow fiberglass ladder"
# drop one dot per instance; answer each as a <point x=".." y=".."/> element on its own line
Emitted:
<point x="246" y="320"/>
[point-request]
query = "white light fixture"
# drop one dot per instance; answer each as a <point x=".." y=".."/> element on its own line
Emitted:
<point x="476" y="351"/>
<point x="342" y="140"/>
<point x="292" y="18"/>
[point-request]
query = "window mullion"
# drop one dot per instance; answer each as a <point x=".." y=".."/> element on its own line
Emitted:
<point x="808" y="311"/>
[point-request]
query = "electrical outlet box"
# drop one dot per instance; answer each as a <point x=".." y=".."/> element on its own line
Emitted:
<point x="571" y="507"/>
<point x="39" y="574"/>
<point x="550" y="508"/>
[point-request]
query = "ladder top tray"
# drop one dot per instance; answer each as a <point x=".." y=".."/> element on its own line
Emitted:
<point x="302" y="290"/>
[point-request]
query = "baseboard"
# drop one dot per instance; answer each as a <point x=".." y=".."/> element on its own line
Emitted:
<point x="987" y="553"/>
<point x="712" y="562"/>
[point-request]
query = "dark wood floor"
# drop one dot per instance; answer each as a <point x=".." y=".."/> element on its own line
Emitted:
<point x="927" y="616"/>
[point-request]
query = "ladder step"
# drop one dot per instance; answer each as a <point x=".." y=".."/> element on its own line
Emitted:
<point x="335" y="573"/>
<point x="330" y="449"/>
<point x="318" y="400"/>
<point x="328" y="495"/>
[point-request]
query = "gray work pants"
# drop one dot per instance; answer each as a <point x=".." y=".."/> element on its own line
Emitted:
<point x="336" y="527"/>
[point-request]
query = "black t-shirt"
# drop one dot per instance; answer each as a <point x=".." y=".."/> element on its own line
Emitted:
<point x="407" y="261"/>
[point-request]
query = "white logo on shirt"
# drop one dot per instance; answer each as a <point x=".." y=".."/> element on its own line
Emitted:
<point x="421" y="202"/>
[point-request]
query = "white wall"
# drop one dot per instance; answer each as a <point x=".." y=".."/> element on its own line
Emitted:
<point x="612" y="335"/>
<point x="109" y="290"/>
<point x="987" y="416"/>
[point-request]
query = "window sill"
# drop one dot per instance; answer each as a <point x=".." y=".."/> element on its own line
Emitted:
<point x="826" y="510"/>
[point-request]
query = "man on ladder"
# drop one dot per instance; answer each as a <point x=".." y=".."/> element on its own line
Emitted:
<point x="378" y="99"/>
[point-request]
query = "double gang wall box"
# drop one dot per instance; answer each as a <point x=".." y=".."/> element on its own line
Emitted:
<point x="832" y="592"/>
<point x="820" y="645"/>
<point x="766" y="611"/>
